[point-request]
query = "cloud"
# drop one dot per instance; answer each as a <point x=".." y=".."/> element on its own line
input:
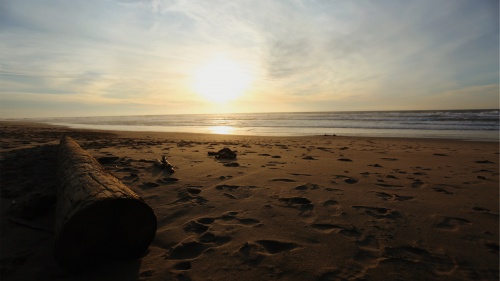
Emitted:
<point x="482" y="96"/>
<point x="319" y="54"/>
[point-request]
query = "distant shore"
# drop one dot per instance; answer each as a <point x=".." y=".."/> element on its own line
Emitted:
<point x="288" y="208"/>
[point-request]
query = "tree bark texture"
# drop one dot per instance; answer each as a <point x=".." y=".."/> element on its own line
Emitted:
<point x="98" y="218"/>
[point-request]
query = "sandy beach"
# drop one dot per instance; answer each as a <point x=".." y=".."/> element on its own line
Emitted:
<point x="287" y="208"/>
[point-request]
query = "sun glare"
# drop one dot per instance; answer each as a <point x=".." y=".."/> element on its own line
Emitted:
<point x="221" y="80"/>
<point x="221" y="130"/>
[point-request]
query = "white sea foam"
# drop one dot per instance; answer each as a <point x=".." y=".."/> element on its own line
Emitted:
<point x="456" y="124"/>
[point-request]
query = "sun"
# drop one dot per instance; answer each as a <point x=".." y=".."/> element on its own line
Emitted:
<point x="221" y="80"/>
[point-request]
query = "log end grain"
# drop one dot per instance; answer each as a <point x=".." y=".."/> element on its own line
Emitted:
<point x="104" y="231"/>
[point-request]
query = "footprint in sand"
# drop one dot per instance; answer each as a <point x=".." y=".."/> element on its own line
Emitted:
<point x="351" y="180"/>
<point x="250" y="253"/>
<point x="390" y="159"/>
<point x="452" y="223"/>
<point x="229" y="195"/>
<point x="484" y="162"/>
<point x="255" y="252"/>
<point x="348" y="180"/>
<point x="242" y="192"/>
<point x="196" y="227"/>
<point x="295" y="200"/>
<point x="274" y="247"/>
<point x="365" y="259"/>
<point x="442" y="190"/>
<point x="185" y="265"/>
<point x="479" y="209"/>
<point x="187" y="196"/>
<point x="485" y="211"/>
<point x="248" y="221"/>
<point x="148" y="185"/>
<point x="393" y="197"/>
<point x="330" y="203"/>
<point x="304" y="205"/>
<point x="333" y="207"/>
<point x="227" y="187"/>
<point x="298" y="174"/>
<point x="483" y="171"/>
<point x="389" y="186"/>
<point x="187" y="250"/>
<point x="132" y="176"/>
<point x="325" y="227"/>
<point x="399" y="171"/>
<point x="209" y="237"/>
<point x="168" y="180"/>
<point x="330" y="274"/>
<point x="350" y="231"/>
<point x="283" y="180"/>
<point x="193" y="190"/>
<point x="234" y="187"/>
<point x="307" y="186"/>
<point x="309" y="158"/>
<point x="370" y="243"/>
<point x="274" y="163"/>
<point x="205" y="220"/>
<point x="128" y="169"/>
<point x="492" y="247"/>
<point x="232" y="218"/>
<point x="418" y="257"/>
<point x="417" y="184"/>
<point x="379" y="212"/>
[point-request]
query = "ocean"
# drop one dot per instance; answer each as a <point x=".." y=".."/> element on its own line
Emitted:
<point x="480" y="125"/>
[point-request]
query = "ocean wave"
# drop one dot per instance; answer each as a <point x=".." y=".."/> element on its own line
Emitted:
<point x="393" y="122"/>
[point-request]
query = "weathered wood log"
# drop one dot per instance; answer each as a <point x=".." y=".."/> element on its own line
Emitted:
<point x="98" y="218"/>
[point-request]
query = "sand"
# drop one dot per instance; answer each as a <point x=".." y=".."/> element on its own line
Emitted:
<point x="292" y="208"/>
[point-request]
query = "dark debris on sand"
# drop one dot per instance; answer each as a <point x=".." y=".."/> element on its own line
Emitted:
<point x="224" y="153"/>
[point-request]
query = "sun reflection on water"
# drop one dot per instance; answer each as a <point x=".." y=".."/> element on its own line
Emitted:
<point x="221" y="130"/>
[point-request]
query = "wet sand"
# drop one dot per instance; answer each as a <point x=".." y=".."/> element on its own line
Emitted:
<point x="287" y="208"/>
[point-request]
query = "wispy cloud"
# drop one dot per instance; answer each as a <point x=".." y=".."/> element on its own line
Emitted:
<point x="304" y="55"/>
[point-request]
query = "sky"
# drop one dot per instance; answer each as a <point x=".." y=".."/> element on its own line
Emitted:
<point x="124" y="57"/>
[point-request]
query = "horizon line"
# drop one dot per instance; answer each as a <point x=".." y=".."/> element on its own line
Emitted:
<point x="236" y="113"/>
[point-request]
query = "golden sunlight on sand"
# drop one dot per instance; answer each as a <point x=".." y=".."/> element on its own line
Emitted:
<point x="237" y="208"/>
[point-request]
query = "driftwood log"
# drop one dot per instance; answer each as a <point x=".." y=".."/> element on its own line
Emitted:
<point x="98" y="219"/>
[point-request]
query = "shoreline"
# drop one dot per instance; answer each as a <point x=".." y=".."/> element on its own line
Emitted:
<point x="160" y="132"/>
<point x="481" y="125"/>
<point x="290" y="208"/>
